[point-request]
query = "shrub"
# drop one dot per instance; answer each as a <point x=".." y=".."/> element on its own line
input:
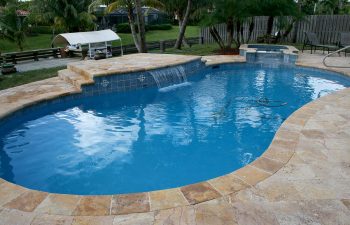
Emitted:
<point x="160" y="27"/>
<point x="125" y="28"/>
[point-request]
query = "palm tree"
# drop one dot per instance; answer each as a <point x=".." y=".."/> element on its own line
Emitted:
<point x="70" y="15"/>
<point x="131" y="6"/>
<point x="12" y="26"/>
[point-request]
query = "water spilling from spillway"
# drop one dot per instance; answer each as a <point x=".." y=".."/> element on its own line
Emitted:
<point x="169" y="76"/>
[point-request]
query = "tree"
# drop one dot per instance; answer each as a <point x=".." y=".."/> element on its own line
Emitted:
<point x="72" y="16"/>
<point x="141" y="26"/>
<point x="276" y="8"/>
<point x="131" y="7"/>
<point x="183" y="11"/>
<point x="12" y="26"/>
<point x="183" y="25"/>
<point x="233" y="13"/>
<point x="332" y="6"/>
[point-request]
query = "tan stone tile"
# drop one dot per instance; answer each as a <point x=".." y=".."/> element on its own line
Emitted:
<point x="135" y="219"/>
<point x="92" y="220"/>
<point x="296" y="121"/>
<point x="131" y="203"/>
<point x="275" y="190"/>
<point x="27" y="201"/>
<point x="283" y="144"/>
<point x="199" y="192"/>
<point x="228" y="184"/>
<point x="267" y="165"/>
<point x="282" y="155"/>
<point x="286" y="134"/>
<point x="9" y="192"/>
<point x="313" y="134"/>
<point x="52" y="220"/>
<point x="166" y="199"/>
<point x="175" y="216"/>
<point x="215" y="212"/>
<point x="312" y="212"/>
<point x="346" y="202"/>
<point x="251" y="175"/>
<point x="56" y="204"/>
<point x="316" y="189"/>
<point x="253" y="213"/>
<point x="15" y="217"/>
<point x="93" y="206"/>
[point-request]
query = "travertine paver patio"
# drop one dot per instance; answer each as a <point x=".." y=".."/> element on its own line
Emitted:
<point x="303" y="178"/>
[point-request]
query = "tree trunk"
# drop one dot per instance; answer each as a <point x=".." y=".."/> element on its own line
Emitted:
<point x="132" y="27"/>
<point x="288" y="30"/>
<point x="229" y="28"/>
<point x="251" y="29"/>
<point x="184" y="42"/>
<point x="270" y="25"/>
<point x="141" y="26"/>
<point x="238" y="30"/>
<point x="217" y="37"/>
<point x="183" y="25"/>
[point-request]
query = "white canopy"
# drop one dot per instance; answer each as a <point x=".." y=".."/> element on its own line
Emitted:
<point x="86" y="37"/>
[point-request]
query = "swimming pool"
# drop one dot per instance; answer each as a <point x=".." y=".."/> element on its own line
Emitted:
<point x="222" y="118"/>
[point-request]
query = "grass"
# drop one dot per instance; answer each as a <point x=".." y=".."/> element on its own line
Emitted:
<point x="201" y="50"/>
<point x="31" y="43"/>
<point x="44" y="40"/>
<point x="16" y="79"/>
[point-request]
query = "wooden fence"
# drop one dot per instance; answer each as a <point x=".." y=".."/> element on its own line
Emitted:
<point x="327" y="28"/>
<point x="155" y="45"/>
<point x="35" y="55"/>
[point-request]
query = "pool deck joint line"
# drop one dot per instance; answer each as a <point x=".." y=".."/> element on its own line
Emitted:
<point x="303" y="176"/>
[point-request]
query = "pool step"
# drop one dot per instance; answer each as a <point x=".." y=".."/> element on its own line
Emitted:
<point x="74" y="78"/>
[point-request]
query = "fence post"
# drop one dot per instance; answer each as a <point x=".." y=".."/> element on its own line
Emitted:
<point x="54" y="53"/>
<point x="201" y="40"/>
<point x="35" y="53"/>
<point x="162" y="46"/>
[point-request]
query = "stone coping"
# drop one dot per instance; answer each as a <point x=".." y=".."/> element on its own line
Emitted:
<point x="278" y="154"/>
<point x="291" y="50"/>
<point x="129" y="63"/>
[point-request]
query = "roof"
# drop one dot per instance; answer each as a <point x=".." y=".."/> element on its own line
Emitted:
<point x="145" y="11"/>
<point x="86" y="37"/>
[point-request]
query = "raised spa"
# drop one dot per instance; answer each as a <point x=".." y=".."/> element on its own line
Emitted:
<point x="218" y="120"/>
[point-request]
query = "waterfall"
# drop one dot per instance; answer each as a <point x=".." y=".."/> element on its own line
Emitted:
<point x="169" y="76"/>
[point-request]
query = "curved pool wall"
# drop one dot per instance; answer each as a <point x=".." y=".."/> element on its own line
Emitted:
<point x="126" y="83"/>
<point x="134" y="81"/>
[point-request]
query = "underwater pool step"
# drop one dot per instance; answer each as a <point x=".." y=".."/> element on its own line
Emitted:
<point x="74" y="78"/>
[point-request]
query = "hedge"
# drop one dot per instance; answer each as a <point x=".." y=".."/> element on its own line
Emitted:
<point x="125" y="27"/>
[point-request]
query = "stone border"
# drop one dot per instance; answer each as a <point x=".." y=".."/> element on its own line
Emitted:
<point x="273" y="159"/>
<point x="291" y="50"/>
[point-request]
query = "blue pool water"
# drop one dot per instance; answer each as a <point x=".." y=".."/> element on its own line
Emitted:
<point x="217" y="122"/>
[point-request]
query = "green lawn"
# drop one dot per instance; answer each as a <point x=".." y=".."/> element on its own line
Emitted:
<point x="16" y="79"/>
<point x="44" y="40"/>
<point x="201" y="50"/>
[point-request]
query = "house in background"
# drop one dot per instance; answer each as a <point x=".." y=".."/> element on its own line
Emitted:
<point x="151" y="16"/>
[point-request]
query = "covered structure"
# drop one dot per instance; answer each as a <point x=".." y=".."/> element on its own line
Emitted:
<point x="97" y="41"/>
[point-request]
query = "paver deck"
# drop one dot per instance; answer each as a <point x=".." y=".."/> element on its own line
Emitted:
<point x="303" y="177"/>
